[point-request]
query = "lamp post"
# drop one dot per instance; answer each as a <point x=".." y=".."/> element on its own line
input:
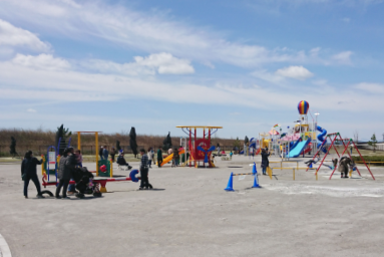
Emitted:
<point x="315" y="128"/>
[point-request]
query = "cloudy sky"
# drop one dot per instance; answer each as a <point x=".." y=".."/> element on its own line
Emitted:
<point x="245" y="64"/>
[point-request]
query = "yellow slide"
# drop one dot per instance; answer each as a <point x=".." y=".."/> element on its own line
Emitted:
<point x="170" y="157"/>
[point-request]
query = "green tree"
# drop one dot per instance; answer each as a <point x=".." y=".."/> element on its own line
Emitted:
<point x="373" y="142"/>
<point x="237" y="143"/>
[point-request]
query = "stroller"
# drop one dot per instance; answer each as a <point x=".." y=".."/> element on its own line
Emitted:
<point x="84" y="184"/>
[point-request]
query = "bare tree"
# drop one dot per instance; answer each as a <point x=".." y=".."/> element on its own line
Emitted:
<point x="356" y="136"/>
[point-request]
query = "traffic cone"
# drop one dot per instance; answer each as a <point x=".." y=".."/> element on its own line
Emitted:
<point x="254" y="170"/>
<point x="255" y="183"/>
<point x="230" y="183"/>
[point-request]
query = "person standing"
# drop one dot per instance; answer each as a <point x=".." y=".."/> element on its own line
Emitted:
<point x="218" y="149"/>
<point x="264" y="160"/>
<point x="101" y="152"/>
<point x="159" y="157"/>
<point x="150" y="156"/>
<point x="144" y="183"/>
<point x="79" y="162"/>
<point x="67" y="164"/>
<point x="28" y="172"/>
<point x="105" y="153"/>
<point x="176" y="158"/>
<point x="113" y="153"/>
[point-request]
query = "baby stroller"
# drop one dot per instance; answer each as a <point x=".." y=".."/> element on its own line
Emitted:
<point x="84" y="184"/>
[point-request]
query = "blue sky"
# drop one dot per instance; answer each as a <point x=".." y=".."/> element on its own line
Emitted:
<point x="245" y="65"/>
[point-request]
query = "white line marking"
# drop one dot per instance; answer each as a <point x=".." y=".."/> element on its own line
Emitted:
<point x="4" y="248"/>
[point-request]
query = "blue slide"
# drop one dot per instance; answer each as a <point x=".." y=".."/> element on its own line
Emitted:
<point x="295" y="152"/>
<point x="321" y="138"/>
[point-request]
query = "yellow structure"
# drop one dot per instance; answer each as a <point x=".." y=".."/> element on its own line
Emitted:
<point x="96" y="151"/>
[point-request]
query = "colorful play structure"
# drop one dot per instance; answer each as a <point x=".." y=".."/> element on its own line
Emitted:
<point x="255" y="180"/>
<point x="337" y="137"/>
<point x="302" y="138"/>
<point x="103" y="175"/>
<point x="198" y="151"/>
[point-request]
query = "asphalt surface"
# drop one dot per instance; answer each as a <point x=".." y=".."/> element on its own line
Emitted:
<point x="189" y="214"/>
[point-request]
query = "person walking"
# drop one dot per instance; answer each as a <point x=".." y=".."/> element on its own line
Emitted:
<point x="159" y="157"/>
<point x="28" y="172"/>
<point x="144" y="183"/>
<point x="67" y="164"/>
<point x="113" y="153"/>
<point x="264" y="160"/>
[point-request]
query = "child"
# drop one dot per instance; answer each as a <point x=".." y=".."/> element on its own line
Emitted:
<point x="230" y="155"/>
<point x="176" y="158"/>
<point x="79" y="158"/>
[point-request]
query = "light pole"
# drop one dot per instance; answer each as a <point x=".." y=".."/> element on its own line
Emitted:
<point x="315" y="128"/>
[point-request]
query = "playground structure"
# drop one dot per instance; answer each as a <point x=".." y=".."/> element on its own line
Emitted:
<point x="302" y="138"/>
<point x="102" y="176"/>
<point x="255" y="180"/>
<point x="199" y="149"/>
<point x="336" y="136"/>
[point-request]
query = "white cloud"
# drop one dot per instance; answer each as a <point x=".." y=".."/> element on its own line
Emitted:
<point x="31" y="110"/>
<point x="267" y="76"/>
<point x="42" y="61"/>
<point x="11" y="36"/>
<point x="346" y="20"/>
<point x="295" y="72"/>
<point x="162" y="63"/>
<point x="343" y="57"/>
<point x="165" y="63"/>
<point x="373" y="88"/>
<point x="70" y="85"/>
<point x="320" y="82"/>
<point x="150" y="32"/>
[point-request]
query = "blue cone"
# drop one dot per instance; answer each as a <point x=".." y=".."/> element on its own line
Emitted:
<point x="254" y="170"/>
<point x="255" y="184"/>
<point x="230" y="183"/>
<point x="310" y="165"/>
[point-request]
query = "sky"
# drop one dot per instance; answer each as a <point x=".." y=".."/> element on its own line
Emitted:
<point x="244" y="65"/>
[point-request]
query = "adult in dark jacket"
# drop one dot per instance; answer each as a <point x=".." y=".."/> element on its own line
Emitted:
<point x="264" y="160"/>
<point x="159" y="157"/>
<point x="113" y="153"/>
<point x="28" y="169"/>
<point x="122" y="162"/>
<point x="67" y="165"/>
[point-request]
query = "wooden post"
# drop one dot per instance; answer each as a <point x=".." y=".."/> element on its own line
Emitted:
<point x="78" y="140"/>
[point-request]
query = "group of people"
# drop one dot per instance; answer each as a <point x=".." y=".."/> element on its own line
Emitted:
<point x="104" y="153"/>
<point x="68" y="161"/>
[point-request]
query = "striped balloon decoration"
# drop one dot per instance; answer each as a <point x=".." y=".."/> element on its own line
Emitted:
<point x="303" y="107"/>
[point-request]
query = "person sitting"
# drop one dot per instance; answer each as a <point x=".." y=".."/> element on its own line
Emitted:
<point x="122" y="162"/>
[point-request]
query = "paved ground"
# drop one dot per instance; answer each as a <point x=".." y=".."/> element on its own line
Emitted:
<point x="189" y="214"/>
